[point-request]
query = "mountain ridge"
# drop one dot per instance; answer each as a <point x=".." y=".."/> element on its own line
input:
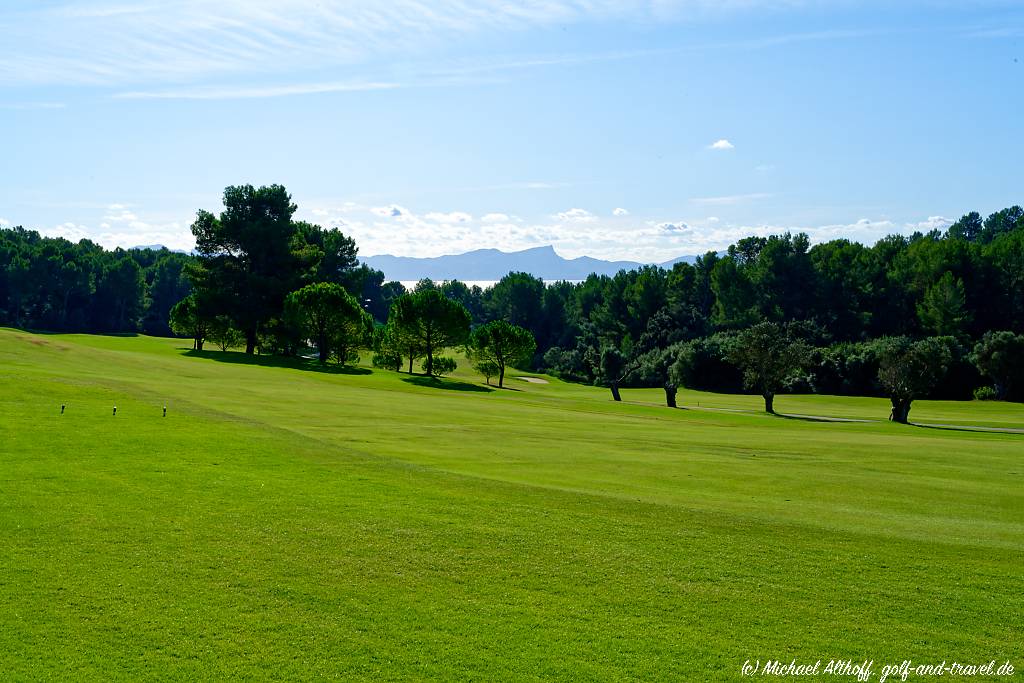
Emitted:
<point x="493" y="264"/>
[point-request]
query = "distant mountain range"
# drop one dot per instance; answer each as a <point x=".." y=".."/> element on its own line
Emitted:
<point x="157" y="247"/>
<point x="491" y="264"/>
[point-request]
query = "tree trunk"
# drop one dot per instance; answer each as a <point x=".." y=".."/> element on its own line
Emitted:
<point x="1000" y="389"/>
<point x="323" y="351"/>
<point x="250" y="342"/>
<point x="501" y="376"/>
<point x="900" y="410"/>
<point x="430" y="360"/>
<point x="410" y="360"/>
<point x="199" y="343"/>
<point x="670" y="397"/>
<point x="615" y="391"/>
<point x="769" y="403"/>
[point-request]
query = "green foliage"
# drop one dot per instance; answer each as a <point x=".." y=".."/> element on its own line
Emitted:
<point x="986" y="394"/>
<point x="1000" y="357"/>
<point x="768" y="354"/>
<point x="330" y="317"/>
<point x="223" y="333"/>
<point x="909" y="370"/>
<point x="516" y="298"/>
<point x="387" y="347"/>
<point x="488" y="369"/>
<point x="253" y="255"/>
<point x="439" y="366"/>
<point x="500" y="344"/>
<point x="188" y="320"/>
<point x="427" y="322"/>
<point x="943" y="311"/>
<point x="962" y="283"/>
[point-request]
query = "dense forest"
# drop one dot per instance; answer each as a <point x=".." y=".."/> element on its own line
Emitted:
<point x="843" y="302"/>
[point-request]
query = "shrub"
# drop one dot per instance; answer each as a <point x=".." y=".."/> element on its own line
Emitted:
<point x="985" y="394"/>
<point x="442" y="365"/>
<point x="387" y="360"/>
<point x="488" y="369"/>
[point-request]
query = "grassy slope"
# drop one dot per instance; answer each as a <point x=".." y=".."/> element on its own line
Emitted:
<point x="291" y="523"/>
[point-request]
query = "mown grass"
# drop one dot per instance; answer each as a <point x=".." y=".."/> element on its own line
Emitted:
<point x="286" y="523"/>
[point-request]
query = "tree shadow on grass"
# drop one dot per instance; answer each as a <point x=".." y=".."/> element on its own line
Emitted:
<point x="967" y="428"/>
<point x="277" y="362"/>
<point x="815" y="418"/>
<point x="446" y="384"/>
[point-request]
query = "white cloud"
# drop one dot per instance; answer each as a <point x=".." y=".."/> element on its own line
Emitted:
<point x="125" y="229"/>
<point x="575" y="232"/>
<point x="678" y="228"/>
<point x="320" y="212"/>
<point x="449" y="218"/>
<point x="4" y="222"/>
<point x="576" y="216"/>
<point x="620" y="212"/>
<point x="69" y="231"/>
<point x="234" y="93"/>
<point x="722" y="145"/>
<point x="119" y="213"/>
<point x="392" y="211"/>
<point x="933" y="223"/>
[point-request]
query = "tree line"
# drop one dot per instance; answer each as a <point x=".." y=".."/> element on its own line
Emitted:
<point x="56" y="285"/>
<point x="770" y="314"/>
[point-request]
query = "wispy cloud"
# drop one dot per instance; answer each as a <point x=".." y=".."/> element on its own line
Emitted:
<point x="181" y="42"/>
<point x="519" y="185"/>
<point x="729" y="200"/>
<point x="98" y="42"/>
<point x="235" y="93"/>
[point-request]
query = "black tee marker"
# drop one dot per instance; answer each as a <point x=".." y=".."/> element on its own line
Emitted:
<point x="165" y="411"/>
<point x="61" y="408"/>
<point x="115" y="410"/>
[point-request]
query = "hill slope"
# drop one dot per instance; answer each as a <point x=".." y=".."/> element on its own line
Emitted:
<point x="283" y="522"/>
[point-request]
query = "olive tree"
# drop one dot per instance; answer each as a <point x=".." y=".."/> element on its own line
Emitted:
<point x="1000" y="357"/>
<point x="768" y="355"/>
<point x="909" y="370"/>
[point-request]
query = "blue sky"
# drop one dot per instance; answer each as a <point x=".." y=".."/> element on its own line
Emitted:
<point x="640" y="130"/>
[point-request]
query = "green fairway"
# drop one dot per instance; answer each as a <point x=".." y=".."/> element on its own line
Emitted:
<point x="284" y="522"/>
